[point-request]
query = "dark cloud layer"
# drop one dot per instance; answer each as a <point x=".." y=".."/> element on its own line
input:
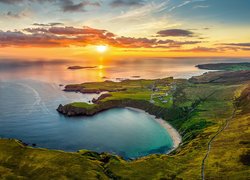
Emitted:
<point x="66" y="36"/>
<point x="70" y="6"/>
<point x="10" y="1"/>
<point x="49" y="24"/>
<point x="15" y="15"/>
<point x="20" y="1"/>
<point x="237" y="44"/>
<point x="65" y="5"/>
<point x="119" y="3"/>
<point x="197" y="49"/>
<point x="175" y="32"/>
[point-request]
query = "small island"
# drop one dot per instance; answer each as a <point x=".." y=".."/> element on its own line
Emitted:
<point x="81" y="67"/>
<point x="135" y="76"/>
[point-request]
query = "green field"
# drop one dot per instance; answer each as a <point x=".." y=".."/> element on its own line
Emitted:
<point x="154" y="90"/>
<point x="207" y="107"/>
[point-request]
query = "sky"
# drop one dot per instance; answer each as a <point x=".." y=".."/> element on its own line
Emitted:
<point x="157" y="28"/>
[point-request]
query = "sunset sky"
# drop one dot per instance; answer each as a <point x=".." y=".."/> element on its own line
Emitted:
<point x="159" y="28"/>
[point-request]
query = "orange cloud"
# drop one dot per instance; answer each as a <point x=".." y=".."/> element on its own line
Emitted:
<point x="67" y="36"/>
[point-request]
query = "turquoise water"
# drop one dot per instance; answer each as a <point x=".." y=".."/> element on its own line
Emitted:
<point x="28" y="112"/>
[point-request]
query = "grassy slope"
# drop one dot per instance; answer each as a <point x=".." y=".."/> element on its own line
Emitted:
<point x="229" y="156"/>
<point x="18" y="161"/>
<point x="186" y="163"/>
<point x="204" y="121"/>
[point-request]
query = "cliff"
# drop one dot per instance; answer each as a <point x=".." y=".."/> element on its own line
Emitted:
<point x="71" y="110"/>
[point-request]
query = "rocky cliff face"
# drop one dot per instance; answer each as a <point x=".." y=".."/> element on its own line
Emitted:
<point x="152" y="109"/>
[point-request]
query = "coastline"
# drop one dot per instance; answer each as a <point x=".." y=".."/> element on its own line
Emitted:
<point x="176" y="137"/>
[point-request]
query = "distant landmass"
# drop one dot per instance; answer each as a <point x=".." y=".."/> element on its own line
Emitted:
<point x="245" y="66"/>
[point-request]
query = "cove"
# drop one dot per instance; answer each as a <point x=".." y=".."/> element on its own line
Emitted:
<point x="28" y="113"/>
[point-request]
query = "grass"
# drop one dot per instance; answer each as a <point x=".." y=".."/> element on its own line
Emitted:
<point x="20" y="162"/>
<point x="231" y="150"/>
<point x="83" y="105"/>
<point x="196" y="131"/>
<point x="133" y="90"/>
<point x="206" y="108"/>
<point x="238" y="67"/>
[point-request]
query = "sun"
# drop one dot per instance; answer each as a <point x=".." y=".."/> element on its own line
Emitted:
<point x="101" y="48"/>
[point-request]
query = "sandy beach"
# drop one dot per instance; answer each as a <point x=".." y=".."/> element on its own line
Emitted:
<point x="176" y="137"/>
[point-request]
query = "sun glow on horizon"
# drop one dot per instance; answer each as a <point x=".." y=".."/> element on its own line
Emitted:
<point x="101" y="48"/>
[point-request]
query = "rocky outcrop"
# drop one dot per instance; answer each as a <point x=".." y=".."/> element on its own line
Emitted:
<point x="71" y="110"/>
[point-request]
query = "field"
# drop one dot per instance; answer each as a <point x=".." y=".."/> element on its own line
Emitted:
<point x="157" y="91"/>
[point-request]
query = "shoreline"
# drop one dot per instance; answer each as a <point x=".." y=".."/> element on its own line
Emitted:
<point x="175" y="136"/>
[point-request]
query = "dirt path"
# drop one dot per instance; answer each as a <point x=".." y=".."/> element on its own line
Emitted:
<point x="210" y="143"/>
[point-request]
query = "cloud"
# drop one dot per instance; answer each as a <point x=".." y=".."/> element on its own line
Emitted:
<point x="10" y="1"/>
<point x="237" y="44"/>
<point x="175" y="32"/>
<point x="66" y="36"/>
<point x="65" y="5"/>
<point x="141" y="12"/>
<point x="49" y="24"/>
<point x="180" y="5"/>
<point x="245" y="49"/>
<point x="201" y="6"/>
<point x="197" y="49"/>
<point x="70" y="6"/>
<point x="187" y="2"/>
<point x="208" y="49"/>
<point x="119" y="3"/>
<point x="21" y="1"/>
<point x="66" y="30"/>
<point x="15" y="15"/>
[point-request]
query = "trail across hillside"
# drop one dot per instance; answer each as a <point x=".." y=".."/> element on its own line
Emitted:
<point x="211" y="141"/>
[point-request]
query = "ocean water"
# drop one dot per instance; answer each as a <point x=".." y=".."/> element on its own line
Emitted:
<point x="28" y="112"/>
<point x="30" y="94"/>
